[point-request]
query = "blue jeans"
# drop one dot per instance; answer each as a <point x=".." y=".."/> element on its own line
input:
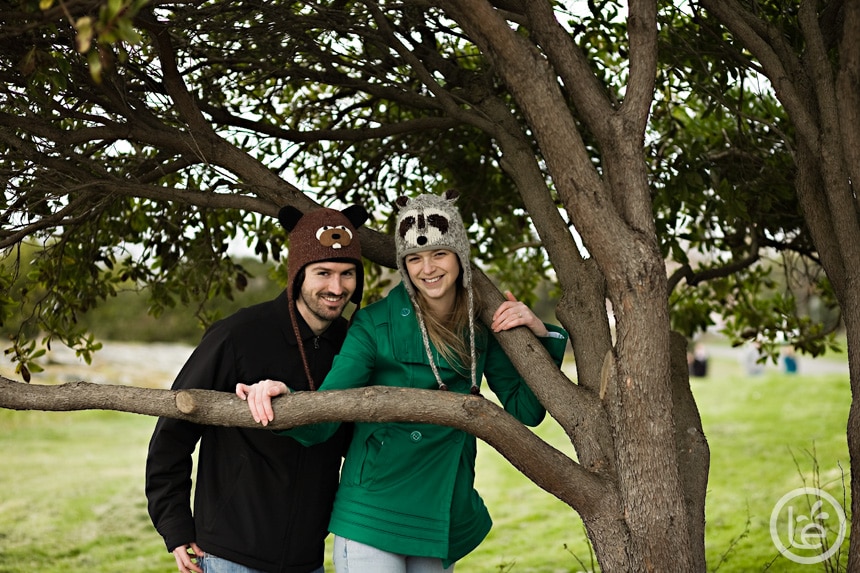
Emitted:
<point x="353" y="557"/>
<point x="212" y="564"/>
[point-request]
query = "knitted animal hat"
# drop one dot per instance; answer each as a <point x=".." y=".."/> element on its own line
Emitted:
<point x="321" y="235"/>
<point x="433" y="222"/>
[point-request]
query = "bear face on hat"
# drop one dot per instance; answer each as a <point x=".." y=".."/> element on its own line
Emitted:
<point x="336" y="237"/>
<point x="323" y="235"/>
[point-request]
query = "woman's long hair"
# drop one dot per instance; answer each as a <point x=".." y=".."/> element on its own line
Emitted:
<point x="450" y="334"/>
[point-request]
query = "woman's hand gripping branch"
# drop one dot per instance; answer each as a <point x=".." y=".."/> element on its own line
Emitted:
<point x="513" y="313"/>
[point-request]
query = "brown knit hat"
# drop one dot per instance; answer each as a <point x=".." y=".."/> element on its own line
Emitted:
<point x="321" y="235"/>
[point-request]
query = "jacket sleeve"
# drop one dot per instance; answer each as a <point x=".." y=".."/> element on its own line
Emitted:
<point x="352" y="368"/>
<point x="169" y="462"/>
<point x="513" y="392"/>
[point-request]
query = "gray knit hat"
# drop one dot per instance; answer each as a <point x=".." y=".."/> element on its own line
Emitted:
<point x="433" y="222"/>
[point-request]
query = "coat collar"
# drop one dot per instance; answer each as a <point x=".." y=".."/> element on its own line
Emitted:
<point x="405" y="333"/>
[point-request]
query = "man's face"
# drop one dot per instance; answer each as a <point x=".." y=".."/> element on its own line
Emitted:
<point x="326" y="289"/>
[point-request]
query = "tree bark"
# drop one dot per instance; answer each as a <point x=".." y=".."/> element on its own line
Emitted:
<point x="694" y="456"/>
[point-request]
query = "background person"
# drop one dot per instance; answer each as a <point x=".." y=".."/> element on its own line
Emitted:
<point x="698" y="361"/>
<point x="407" y="501"/>
<point x="753" y="358"/>
<point x="262" y="502"/>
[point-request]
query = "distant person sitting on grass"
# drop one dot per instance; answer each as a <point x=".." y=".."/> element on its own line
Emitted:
<point x="754" y="359"/>
<point x="262" y="502"/>
<point x="698" y="361"/>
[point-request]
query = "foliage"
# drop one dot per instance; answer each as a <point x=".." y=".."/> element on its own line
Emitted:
<point x="332" y="98"/>
<point x="126" y="314"/>
<point x="265" y="97"/>
<point x="725" y="203"/>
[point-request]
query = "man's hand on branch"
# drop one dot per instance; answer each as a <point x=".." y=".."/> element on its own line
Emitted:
<point x="259" y="397"/>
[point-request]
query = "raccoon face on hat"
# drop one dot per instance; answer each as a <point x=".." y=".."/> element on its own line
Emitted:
<point x="430" y="222"/>
<point x="422" y="228"/>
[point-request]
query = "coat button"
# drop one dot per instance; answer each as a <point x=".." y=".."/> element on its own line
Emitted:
<point x="416" y="436"/>
<point x="405" y="311"/>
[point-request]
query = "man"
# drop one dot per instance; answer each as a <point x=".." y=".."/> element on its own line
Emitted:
<point x="262" y="502"/>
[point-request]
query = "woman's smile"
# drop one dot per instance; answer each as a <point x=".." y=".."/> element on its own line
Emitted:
<point x="434" y="275"/>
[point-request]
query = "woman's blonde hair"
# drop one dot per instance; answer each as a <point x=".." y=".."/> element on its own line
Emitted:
<point x="450" y="334"/>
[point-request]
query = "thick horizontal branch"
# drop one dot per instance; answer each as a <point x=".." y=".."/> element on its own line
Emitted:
<point x="549" y="468"/>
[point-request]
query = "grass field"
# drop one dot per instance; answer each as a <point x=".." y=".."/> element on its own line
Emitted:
<point x="71" y="483"/>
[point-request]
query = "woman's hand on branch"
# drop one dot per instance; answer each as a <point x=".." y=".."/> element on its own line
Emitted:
<point x="513" y="313"/>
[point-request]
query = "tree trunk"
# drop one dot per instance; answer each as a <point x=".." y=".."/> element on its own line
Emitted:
<point x="694" y="456"/>
<point x="640" y="403"/>
<point x="852" y="328"/>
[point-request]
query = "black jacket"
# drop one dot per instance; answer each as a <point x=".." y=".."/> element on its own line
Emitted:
<point x="261" y="500"/>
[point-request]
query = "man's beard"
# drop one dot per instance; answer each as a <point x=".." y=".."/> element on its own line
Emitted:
<point x="322" y="311"/>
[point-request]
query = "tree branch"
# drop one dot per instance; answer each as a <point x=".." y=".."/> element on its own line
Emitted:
<point x="694" y="278"/>
<point x="580" y="83"/>
<point x="535" y="87"/>
<point x="766" y="43"/>
<point x="568" y="481"/>
<point x="359" y="134"/>
<point x="173" y="81"/>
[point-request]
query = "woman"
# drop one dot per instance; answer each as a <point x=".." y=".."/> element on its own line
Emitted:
<point x="406" y="501"/>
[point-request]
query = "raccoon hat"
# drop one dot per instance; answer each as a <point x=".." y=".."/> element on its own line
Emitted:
<point x="433" y="222"/>
<point x="321" y="235"/>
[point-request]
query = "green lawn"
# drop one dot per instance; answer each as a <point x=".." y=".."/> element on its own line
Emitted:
<point x="766" y="434"/>
<point x="72" y="484"/>
<point x="72" y="494"/>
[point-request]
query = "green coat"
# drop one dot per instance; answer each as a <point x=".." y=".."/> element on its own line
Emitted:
<point x="408" y="488"/>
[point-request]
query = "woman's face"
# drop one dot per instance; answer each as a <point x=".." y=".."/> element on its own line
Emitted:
<point x="434" y="274"/>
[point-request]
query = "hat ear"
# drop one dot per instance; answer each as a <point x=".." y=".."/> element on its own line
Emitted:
<point x="289" y="217"/>
<point x="451" y="195"/>
<point x="401" y="201"/>
<point x="356" y="214"/>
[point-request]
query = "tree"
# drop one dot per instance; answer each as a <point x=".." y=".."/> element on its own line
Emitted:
<point x="808" y="53"/>
<point x="224" y="110"/>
